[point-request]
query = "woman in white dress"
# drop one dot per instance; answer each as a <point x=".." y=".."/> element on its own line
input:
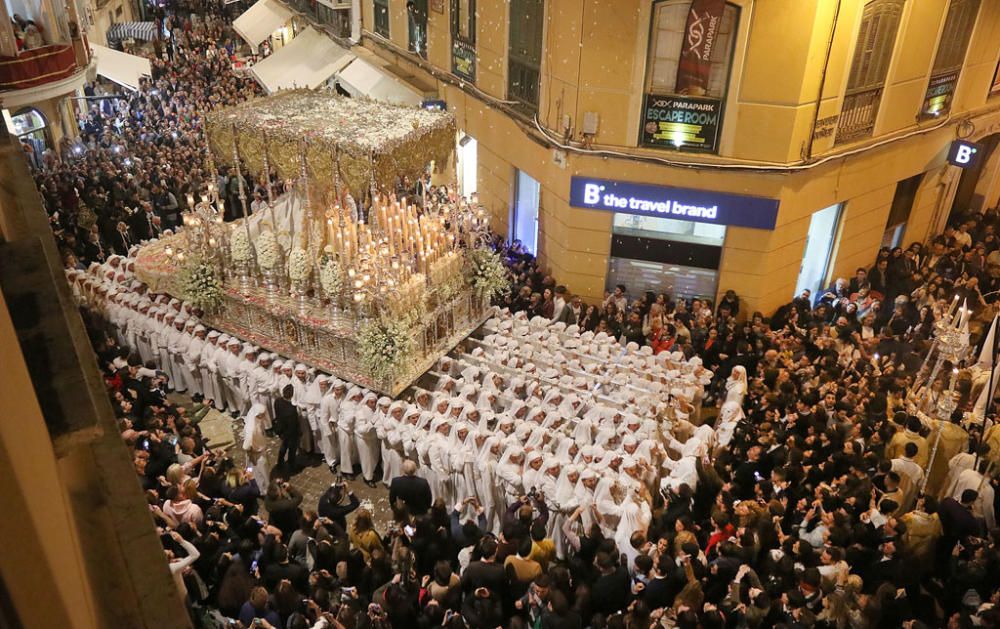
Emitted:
<point x="488" y="488"/>
<point x="439" y="459"/>
<point x="421" y="439"/>
<point x="388" y="432"/>
<point x="736" y="385"/>
<point x="509" y="472"/>
<point x="564" y="502"/>
<point x="366" y="438"/>
<point x="729" y="417"/>
<point x="345" y="430"/>
<point x="462" y="461"/>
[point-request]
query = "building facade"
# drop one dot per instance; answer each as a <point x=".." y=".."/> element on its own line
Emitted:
<point x="695" y="146"/>
<point x="39" y="73"/>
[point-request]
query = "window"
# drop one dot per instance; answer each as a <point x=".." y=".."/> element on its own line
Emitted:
<point x="524" y="61"/>
<point x="869" y="67"/>
<point x="687" y="73"/>
<point x="463" y="38"/>
<point x="525" y="224"/>
<point x="382" y="18"/>
<point x="416" y="21"/>
<point x="950" y="56"/>
<point x="823" y="230"/>
<point x="899" y="211"/>
<point x="463" y="20"/>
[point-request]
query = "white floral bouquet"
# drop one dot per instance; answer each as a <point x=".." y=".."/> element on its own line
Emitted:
<point x="299" y="268"/>
<point x="329" y="278"/>
<point x="268" y="251"/>
<point x="487" y="273"/>
<point x="201" y="287"/>
<point x="239" y="246"/>
<point x="385" y="346"/>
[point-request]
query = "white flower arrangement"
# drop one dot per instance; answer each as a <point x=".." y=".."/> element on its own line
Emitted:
<point x="385" y="347"/>
<point x="299" y="268"/>
<point x="268" y="251"/>
<point x="201" y="286"/>
<point x="330" y="278"/>
<point x="487" y="273"/>
<point x="239" y="246"/>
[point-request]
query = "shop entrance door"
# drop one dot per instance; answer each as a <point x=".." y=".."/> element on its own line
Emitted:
<point x="969" y="195"/>
<point x="525" y="223"/>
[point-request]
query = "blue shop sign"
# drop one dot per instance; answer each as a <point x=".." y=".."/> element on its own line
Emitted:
<point x="685" y="204"/>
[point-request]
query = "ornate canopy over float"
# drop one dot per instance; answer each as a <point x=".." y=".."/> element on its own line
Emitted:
<point x="338" y="273"/>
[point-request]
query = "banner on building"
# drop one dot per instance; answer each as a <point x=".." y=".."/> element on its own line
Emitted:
<point x="700" y="34"/>
<point x="940" y="91"/>
<point x="463" y="59"/>
<point x="683" y="123"/>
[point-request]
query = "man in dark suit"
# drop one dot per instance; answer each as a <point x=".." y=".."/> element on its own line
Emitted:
<point x="286" y="424"/>
<point x="487" y="572"/>
<point x="660" y="591"/>
<point x="411" y="490"/>
<point x="141" y="223"/>
<point x="957" y="522"/>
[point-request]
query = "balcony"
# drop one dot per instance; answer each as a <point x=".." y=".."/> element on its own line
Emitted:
<point x="37" y="66"/>
<point x="858" y="114"/>
<point x="522" y="85"/>
<point x="42" y="73"/>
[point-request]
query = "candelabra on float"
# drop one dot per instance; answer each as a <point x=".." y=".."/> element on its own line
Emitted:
<point x="951" y="342"/>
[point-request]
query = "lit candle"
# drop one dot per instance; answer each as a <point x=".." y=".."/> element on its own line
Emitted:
<point x="954" y="304"/>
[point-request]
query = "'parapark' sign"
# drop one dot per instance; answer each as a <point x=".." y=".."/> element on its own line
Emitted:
<point x="685" y="204"/>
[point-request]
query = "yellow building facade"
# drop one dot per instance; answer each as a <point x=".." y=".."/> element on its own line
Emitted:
<point x="838" y="113"/>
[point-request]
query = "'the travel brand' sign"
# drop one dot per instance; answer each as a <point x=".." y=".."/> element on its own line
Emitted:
<point x="685" y="204"/>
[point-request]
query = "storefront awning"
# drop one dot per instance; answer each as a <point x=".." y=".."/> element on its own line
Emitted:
<point x="145" y="31"/>
<point x="120" y="67"/>
<point x="258" y="22"/>
<point x="362" y="78"/>
<point x="307" y="61"/>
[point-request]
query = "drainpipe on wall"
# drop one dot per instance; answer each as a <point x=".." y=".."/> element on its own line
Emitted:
<point x="807" y="152"/>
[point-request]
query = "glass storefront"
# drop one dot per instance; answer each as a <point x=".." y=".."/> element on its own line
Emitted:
<point x="663" y="255"/>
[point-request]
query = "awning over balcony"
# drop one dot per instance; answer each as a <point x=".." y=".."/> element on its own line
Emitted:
<point x="362" y="78"/>
<point x="120" y="67"/>
<point x="258" y="22"/>
<point x="146" y="31"/>
<point x="307" y="61"/>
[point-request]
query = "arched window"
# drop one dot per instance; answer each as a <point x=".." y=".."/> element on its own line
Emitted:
<point x="687" y="73"/>
<point x="869" y="67"/>
<point x="31" y="129"/>
<point x="950" y="56"/>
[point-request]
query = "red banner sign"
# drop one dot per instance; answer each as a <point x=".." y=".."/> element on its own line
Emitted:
<point x="700" y="34"/>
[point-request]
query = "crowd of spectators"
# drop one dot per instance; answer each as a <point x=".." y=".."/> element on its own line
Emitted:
<point x="816" y="514"/>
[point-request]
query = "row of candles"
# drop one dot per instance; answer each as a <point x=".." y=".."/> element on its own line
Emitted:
<point x="399" y="232"/>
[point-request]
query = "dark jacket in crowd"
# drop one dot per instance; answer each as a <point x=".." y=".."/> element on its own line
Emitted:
<point x="414" y="491"/>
